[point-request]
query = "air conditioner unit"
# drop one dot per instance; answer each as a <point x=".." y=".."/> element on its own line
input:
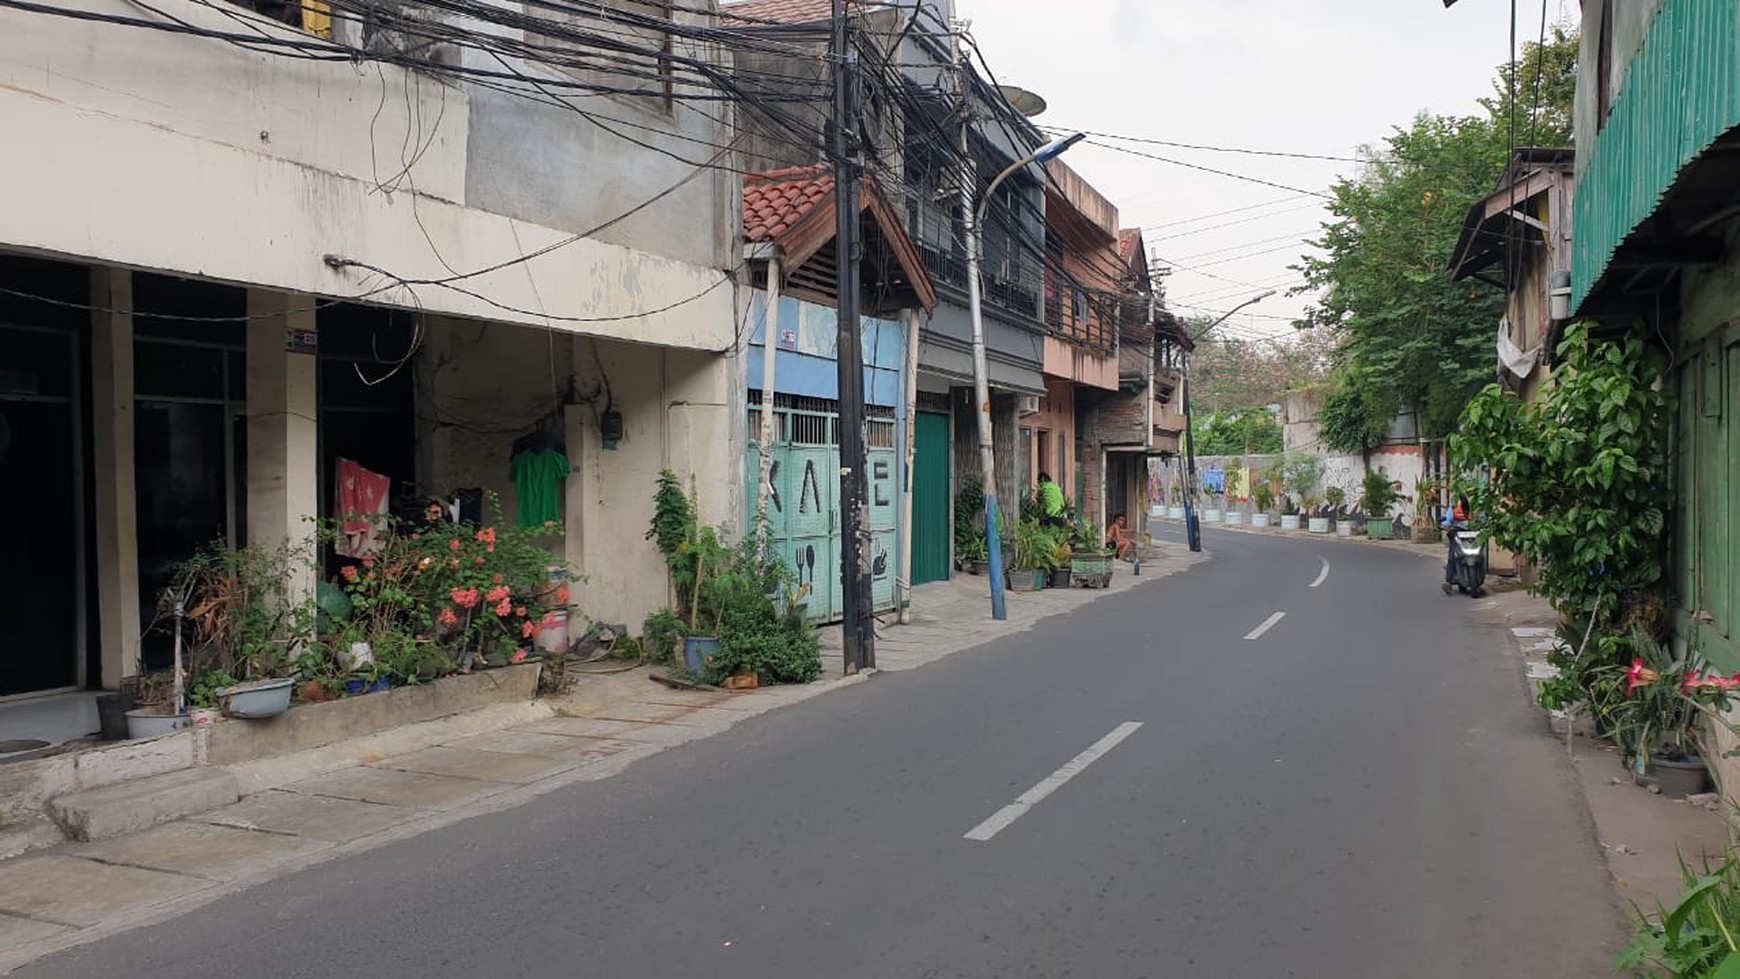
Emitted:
<point x="1027" y="404"/>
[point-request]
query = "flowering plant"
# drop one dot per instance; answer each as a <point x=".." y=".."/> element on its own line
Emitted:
<point x="476" y="591"/>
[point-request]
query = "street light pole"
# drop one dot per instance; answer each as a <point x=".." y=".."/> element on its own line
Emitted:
<point x="1192" y="530"/>
<point x="975" y="217"/>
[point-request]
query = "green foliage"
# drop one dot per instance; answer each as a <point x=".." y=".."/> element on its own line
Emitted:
<point x="662" y="635"/>
<point x="1696" y="938"/>
<point x="1355" y="418"/>
<point x="1576" y="480"/>
<point x="1336" y="497"/>
<point x="242" y="616"/>
<point x="202" y="692"/>
<point x="1039" y="547"/>
<point x="1301" y="475"/>
<point x="1238" y="432"/>
<point x="1263" y="493"/>
<point x="1377" y="494"/>
<point x="1407" y="334"/>
<point x="673" y="521"/>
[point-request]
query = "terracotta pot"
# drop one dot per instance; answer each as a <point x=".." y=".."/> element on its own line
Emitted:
<point x="314" y="692"/>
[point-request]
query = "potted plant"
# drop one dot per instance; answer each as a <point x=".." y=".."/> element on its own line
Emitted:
<point x="1425" y="528"/>
<point x="1655" y="723"/>
<point x="1336" y="497"/>
<point x="1377" y="496"/>
<point x="1289" y="513"/>
<point x="1316" y="521"/>
<point x="1301" y="477"/>
<point x="1062" y="557"/>
<point x="1263" y="499"/>
<point x="1090" y="562"/>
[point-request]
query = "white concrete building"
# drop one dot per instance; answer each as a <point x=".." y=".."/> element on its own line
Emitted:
<point x="225" y="264"/>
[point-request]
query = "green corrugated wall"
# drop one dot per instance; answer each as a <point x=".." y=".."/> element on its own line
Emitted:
<point x="1681" y="92"/>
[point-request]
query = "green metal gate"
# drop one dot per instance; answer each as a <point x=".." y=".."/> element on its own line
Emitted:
<point x="804" y="510"/>
<point x="931" y="536"/>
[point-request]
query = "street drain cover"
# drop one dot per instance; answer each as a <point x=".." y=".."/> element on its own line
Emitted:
<point x="14" y="745"/>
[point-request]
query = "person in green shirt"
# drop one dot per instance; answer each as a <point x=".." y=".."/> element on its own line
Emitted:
<point x="1051" y="505"/>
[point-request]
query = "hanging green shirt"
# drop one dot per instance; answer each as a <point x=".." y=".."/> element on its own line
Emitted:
<point x="538" y="480"/>
<point x="1051" y="499"/>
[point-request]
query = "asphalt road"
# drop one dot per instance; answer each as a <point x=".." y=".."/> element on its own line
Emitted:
<point x="1360" y="790"/>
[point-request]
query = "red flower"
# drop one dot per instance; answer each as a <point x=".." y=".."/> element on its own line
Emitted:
<point x="433" y="513"/>
<point x="454" y="544"/>
<point x="464" y="597"/>
<point x="1639" y="676"/>
<point x="562" y="595"/>
<point x="487" y="535"/>
<point x="488" y="547"/>
<point x="529" y="630"/>
<point x="498" y="579"/>
<point x="368" y="560"/>
<point x="349" y="572"/>
<point x="497" y="593"/>
<point x="446" y="617"/>
<point x="519" y="656"/>
<point x="480" y="560"/>
<point x="504" y="608"/>
<point x="521" y="611"/>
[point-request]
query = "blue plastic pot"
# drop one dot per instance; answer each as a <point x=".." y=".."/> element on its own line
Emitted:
<point x="381" y="685"/>
<point x="356" y="685"/>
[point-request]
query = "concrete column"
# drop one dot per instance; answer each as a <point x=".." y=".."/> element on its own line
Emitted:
<point x="117" y="550"/>
<point x="283" y="447"/>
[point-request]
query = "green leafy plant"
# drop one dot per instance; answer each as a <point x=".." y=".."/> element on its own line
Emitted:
<point x="1697" y="937"/>
<point x="1263" y="494"/>
<point x="662" y="635"/>
<point x="1301" y="475"/>
<point x="1336" y="497"/>
<point x="1377" y="494"/>
<point x="202" y="692"/>
<point x="243" y="615"/>
<point x="1576" y="481"/>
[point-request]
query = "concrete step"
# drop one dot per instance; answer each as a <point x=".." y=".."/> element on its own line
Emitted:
<point x="116" y="810"/>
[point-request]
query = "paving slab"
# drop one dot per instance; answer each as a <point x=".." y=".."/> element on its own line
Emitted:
<point x="202" y="849"/>
<point x="521" y="742"/>
<point x="414" y="790"/>
<point x="588" y="751"/>
<point x="634" y="710"/>
<point x="68" y="890"/>
<point x="16" y="931"/>
<point x="316" y="817"/>
<point x="468" y="762"/>
<point x="580" y="727"/>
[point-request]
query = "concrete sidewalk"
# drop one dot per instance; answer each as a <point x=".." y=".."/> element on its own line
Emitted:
<point x="303" y="809"/>
<point x="1643" y="836"/>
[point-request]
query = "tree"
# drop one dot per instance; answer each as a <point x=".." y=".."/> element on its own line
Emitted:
<point x="1406" y="335"/>
<point x="1251" y="431"/>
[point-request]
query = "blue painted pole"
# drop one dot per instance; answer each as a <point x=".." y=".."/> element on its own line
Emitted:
<point x="994" y="543"/>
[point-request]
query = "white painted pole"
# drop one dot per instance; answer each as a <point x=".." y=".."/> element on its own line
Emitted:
<point x="905" y="584"/>
<point x="769" y="359"/>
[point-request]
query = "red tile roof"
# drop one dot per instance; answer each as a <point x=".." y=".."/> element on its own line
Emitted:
<point x="776" y="200"/>
<point x="787" y="11"/>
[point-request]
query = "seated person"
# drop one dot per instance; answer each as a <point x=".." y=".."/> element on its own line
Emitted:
<point x="1119" y="538"/>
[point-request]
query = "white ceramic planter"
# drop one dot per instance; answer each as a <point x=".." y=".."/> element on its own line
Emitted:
<point x="1290" y="521"/>
<point x="1344" y="528"/>
<point x="1156" y="512"/>
<point x="1318" y="525"/>
<point x="1259" y="520"/>
<point x="1175" y="513"/>
<point x="1232" y="518"/>
<point x="1211" y="516"/>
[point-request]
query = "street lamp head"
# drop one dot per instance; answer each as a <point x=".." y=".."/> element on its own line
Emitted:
<point x="1057" y="146"/>
<point x="1259" y="297"/>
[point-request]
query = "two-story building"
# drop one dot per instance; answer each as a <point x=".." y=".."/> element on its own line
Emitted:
<point x="241" y="242"/>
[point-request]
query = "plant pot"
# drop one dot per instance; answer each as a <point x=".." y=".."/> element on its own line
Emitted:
<point x="355" y="686"/>
<point x="1259" y="520"/>
<point x="978" y="567"/>
<point x="381" y="685"/>
<point x="1425" y="534"/>
<point x="1211" y="516"/>
<point x="1060" y="578"/>
<point x="697" y="650"/>
<point x="1290" y="521"/>
<point x="1344" y="528"/>
<point x="112" y="711"/>
<point x="1090" y="569"/>
<point x="1027" y="579"/>
<point x="1318" y="525"/>
<point x="313" y="691"/>
<point x="1380" y="528"/>
<point x="1679" y="778"/>
<point x="153" y="722"/>
<point x="1232" y="518"/>
<point x="1175" y="513"/>
<point x="261" y="698"/>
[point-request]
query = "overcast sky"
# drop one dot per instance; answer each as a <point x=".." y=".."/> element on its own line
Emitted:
<point x="1319" y="77"/>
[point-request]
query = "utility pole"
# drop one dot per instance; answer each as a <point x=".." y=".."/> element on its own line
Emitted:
<point x="1193" y="530"/>
<point x="858" y="633"/>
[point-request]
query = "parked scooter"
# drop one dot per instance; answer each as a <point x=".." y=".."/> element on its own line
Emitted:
<point x="1470" y="557"/>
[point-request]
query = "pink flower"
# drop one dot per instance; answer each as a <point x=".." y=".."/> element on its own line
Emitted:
<point x="504" y="608"/>
<point x="519" y="656"/>
<point x="454" y="545"/>
<point x="349" y="572"/>
<point x="497" y="593"/>
<point x="521" y="611"/>
<point x="562" y="595"/>
<point x="1639" y="676"/>
<point x="529" y="630"/>
<point x="463" y="597"/>
<point x="487" y="535"/>
<point x="446" y="616"/>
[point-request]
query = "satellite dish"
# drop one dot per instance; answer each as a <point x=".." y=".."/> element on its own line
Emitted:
<point x="1027" y="103"/>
